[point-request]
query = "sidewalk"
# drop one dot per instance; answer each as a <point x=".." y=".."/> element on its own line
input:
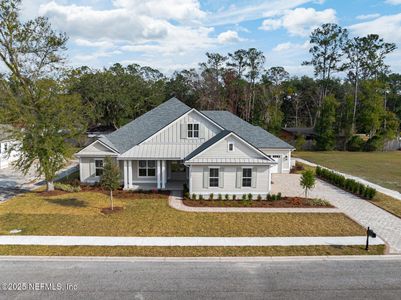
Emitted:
<point x="379" y="188"/>
<point x="184" y="241"/>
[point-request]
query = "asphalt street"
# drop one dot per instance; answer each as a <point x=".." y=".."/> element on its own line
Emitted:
<point x="358" y="279"/>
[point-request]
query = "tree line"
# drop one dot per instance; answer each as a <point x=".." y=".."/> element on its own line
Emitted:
<point x="49" y="103"/>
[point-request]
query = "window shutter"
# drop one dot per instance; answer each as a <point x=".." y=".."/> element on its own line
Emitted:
<point x="92" y="167"/>
<point x="205" y="177"/>
<point x="201" y="131"/>
<point x="221" y="177"/>
<point x="239" y="178"/>
<point x="254" y="173"/>
<point x="184" y="132"/>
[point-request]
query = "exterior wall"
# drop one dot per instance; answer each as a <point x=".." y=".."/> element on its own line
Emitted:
<point x="5" y="158"/>
<point x="284" y="165"/>
<point x="172" y="133"/>
<point x="220" y="150"/>
<point x="87" y="169"/>
<point x="263" y="182"/>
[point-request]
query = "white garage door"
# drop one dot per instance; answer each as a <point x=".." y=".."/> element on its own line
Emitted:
<point x="276" y="168"/>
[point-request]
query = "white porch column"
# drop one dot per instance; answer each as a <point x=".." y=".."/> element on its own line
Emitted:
<point x="158" y="173"/>
<point x="164" y="173"/>
<point x="130" y="174"/>
<point x="190" y="179"/>
<point x="125" y="175"/>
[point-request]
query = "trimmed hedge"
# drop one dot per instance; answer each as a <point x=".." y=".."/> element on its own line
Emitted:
<point x="350" y="185"/>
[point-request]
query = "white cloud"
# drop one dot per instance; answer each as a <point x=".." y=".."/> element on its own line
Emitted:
<point x="393" y="2"/>
<point x="228" y="36"/>
<point x="291" y="46"/>
<point x="271" y="24"/>
<point x="366" y="17"/>
<point x="388" y="27"/>
<point x="300" y="21"/>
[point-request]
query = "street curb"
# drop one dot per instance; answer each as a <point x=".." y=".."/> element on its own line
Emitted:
<point x="204" y="259"/>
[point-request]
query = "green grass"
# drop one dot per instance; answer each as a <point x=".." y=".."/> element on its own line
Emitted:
<point x="388" y="203"/>
<point x="383" y="168"/>
<point x="79" y="214"/>
<point x="190" y="251"/>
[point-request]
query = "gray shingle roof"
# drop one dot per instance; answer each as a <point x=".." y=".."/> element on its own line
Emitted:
<point x="254" y="135"/>
<point x="146" y="125"/>
<point x="208" y="143"/>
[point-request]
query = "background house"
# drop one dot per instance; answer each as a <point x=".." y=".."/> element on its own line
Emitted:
<point x="6" y="156"/>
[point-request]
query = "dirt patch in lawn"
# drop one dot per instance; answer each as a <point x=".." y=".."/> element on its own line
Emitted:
<point x="50" y="193"/>
<point x="285" y="202"/>
<point x="108" y="210"/>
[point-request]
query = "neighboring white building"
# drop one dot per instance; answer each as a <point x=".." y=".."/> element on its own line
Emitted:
<point x="6" y="156"/>
<point x="212" y="151"/>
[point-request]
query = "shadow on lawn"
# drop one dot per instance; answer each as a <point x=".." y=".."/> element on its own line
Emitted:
<point x="72" y="202"/>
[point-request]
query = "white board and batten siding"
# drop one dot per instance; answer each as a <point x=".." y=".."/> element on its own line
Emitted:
<point x="230" y="176"/>
<point x="176" y="132"/>
<point x="282" y="157"/>
<point x="230" y="181"/>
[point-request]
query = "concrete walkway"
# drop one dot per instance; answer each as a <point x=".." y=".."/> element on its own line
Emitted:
<point x="184" y="241"/>
<point x="379" y="188"/>
<point x="386" y="225"/>
<point x="175" y="201"/>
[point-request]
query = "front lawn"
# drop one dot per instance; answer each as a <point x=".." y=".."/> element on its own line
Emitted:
<point x="383" y="168"/>
<point x="79" y="214"/>
<point x="191" y="251"/>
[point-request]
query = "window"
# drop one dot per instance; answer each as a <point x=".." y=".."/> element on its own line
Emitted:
<point x="213" y="177"/>
<point x="193" y="130"/>
<point x="98" y="167"/>
<point x="230" y="147"/>
<point x="147" y="168"/>
<point x="247" y="177"/>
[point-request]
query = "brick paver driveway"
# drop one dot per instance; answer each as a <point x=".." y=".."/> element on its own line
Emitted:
<point x="386" y="225"/>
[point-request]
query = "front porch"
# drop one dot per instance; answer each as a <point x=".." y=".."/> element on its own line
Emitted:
<point x="154" y="174"/>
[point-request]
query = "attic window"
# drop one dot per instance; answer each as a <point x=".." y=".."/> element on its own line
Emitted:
<point x="193" y="131"/>
<point x="230" y="147"/>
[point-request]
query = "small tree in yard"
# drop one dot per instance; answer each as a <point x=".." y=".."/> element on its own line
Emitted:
<point x="307" y="181"/>
<point x="110" y="178"/>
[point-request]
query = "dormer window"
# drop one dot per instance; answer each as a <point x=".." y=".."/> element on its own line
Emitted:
<point x="230" y="147"/>
<point x="193" y="131"/>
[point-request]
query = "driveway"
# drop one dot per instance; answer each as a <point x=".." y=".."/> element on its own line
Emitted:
<point x="13" y="182"/>
<point x="386" y="225"/>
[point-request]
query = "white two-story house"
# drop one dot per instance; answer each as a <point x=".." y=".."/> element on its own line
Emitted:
<point x="8" y="154"/>
<point x="211" y="151"/>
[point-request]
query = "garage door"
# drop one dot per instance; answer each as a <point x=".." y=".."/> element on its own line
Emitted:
<point x="276" y="168"/>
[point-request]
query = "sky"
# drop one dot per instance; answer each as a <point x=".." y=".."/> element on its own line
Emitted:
<point x="173" y="35"/>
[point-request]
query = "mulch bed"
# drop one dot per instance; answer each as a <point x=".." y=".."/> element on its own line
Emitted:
<point x="108" y="210"/>
<point x="284" y="202"/>
<point x="120" y="193"/>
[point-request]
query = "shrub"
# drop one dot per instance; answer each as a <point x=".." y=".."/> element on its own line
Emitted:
<point x="356" y="143"/>
<point x="273" y="197"/>
<point x="200" y="197"/>
<point x="318" y="202"/>
<point x="259" y="197"/>
<point x="186" y="195"/>
<point x="234" y="197"/>
<point x="220" y="197"/>
<point x="268" y="197"/>
<point x="250" y="196"/>
<point x="226" y="197"/>
<point x="279" y="196"/>
<point x="193" y="196"/>
<point x="185" y="188"/>
<point x="67" y="187"/>
<point x="243" y="197"/>
<point x="211" y="196"/>
<point x="375" y="143"/>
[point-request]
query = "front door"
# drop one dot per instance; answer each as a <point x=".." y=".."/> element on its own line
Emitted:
<point x="178" y="170"/>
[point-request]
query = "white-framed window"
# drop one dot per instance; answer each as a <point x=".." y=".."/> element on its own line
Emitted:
<point x="230" y="146"/>
<point x="98" y="167"/>
<point x="246" y="177"/>
<point x="193" y="130"/>
<point x="147" y="168"/>
<point x="214" y="177"/>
